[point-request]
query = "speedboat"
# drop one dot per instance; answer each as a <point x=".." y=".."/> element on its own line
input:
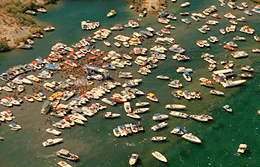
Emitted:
<point x="132" y="115"/>
<point x="159" y="156"/>
<point x="179" y="114"/>
<point x="67" y="155"/>
<point x="175" y="106"/>
<point x="111" y="13"/>
<point x="127" y="107"/>
<point x="164" y="77"/>
<point x="247" y="68"/>
<point x="152" y="97"/>
<point x="116" y="132"/>
<point x="190" y="137"/>
<point x="133" y="159"/>
<point x="14" y="126"/>
<point x="227" y="108"/>
<point x="158" y="138"/>
<point x="111" y="115"/>
<point x="187" y="76"/>
<point x="178" y="131"/>
<point x="49" y="28"/>
<point x="62" y="163"/>
<point x="200" y="118"/>
<point x="160" y="117"/>
<point x="242" y="148"/>
<point x="159" y="126"/>
<point x="50" y="142"/>
<point x="141" y="103"/>
<point x="227" y="84"/>
<point x="216" y="92"/>
<point x="53" y="131"/>
<point x="140" y="110"/>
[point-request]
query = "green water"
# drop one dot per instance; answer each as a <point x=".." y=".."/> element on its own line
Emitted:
<point x="95" y="143"/>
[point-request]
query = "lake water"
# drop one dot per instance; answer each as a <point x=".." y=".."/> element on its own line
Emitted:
<point x="95" y="143"/>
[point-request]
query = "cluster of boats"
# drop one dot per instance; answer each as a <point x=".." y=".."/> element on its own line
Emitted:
<point x="127" y="129"/>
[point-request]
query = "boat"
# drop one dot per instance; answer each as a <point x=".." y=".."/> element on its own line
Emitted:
<point x="160" y="117"/>
<point x="186" y="76"/>
<point x="222" y="31"/>
<point x="158" y="138"/>
<point x="111" y="13"/>
<point x="140" y="110"/>
<point x="190" y="137"/>
<point x="175" y="84"/>
<point x="200" y="118"/>
<point x="117" y="44"/>
<point x="133" y="159"/>
<point x="159" y="156"/>
<point x="163" y="77"/>
<point x="175" y="106"/>
<point x="227" y="108"/>
<point x="256" y="38"/>
<point x="246" y="75"/>
<point x="185" y="20"/>
<point x="50" y="142"/>
<point x="242" y="148"/>
<point x="247" y="69"/>
<point x="216" y="92"/>
<point x="152" y="97"/>
<point x="178" y="131"/>
<point x="228" y="84"/>
<point x="159" y="126"/>
<point x="141" y="103"/>
<point x="185" y="4"/>
<point x="49" y="28"/>
<point x="111" y="115"/>
<point x="127" y="107"/>
<point x="132" y="115"/>
<point x="116" y="132"/>
<point x="15" y="126"/>
<point x="53" y="131"/>
<point x="107" y="43"/>
<point x="179" y="114"/>
<point x="67" y="155"/>
<point x="62" y="163"/>
<point x="28" y="98"/>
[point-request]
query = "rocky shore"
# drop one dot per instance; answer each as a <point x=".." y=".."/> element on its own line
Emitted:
<point x="15" y="24"/>
<point x="149" y="5"/>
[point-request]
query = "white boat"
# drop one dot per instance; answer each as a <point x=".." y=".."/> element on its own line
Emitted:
<point x="187" y="76"/>
<point x="133" y="159"/>
<point x="185" y="4"/>
<point x="190" y="137"/>
<point x="164" y="77"/>
<point x="14" y="126"/>
<point x="247" y="68"/>
<point x="116" y="132"/>
<point x="20" y="88"/>
<point x="127" y="107"/>
<point x="158" y="138"/>
<point x="132" y="115"/>
<point x="80" y="116"/>
<point x="159" y="126"/>
<point x="152" y="97"/>
<point x="199" y="118"/>
<point x="175" y="106"/>
<point x="242" y="148"/>
<point x="228" y="84"/>
<point x="67" y="155"/>
<point x="111" y="115"/>
<point x="117" y="44"/>
<point x="227" y="108"/>
<point x="141" y="103"/>
<point x="159" y="156"/>
<point x="107" y="43"/>
<point x="160" y="117"/>
<point x="62" y="163"/>
<point x="178" y="131"/>
<point x="216" y="92"/>
<point x="140" y="110"/>
<point x="53" y="131"/>
<point x="50" y="142"/>
<point x="111" y="13"/>
<point x="179" y="114"/>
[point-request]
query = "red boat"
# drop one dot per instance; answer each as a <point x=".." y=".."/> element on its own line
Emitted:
<point x="228" y="47"/>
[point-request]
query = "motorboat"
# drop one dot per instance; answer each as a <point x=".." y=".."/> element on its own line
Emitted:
<point x="160" y="117"/>
<point x="142" y="104"/>
<point x="111" y="115"/>
<point x="116" y="132"/>
<point x="185" y="20"/>
<point x="180" y="57"/>
<point x="246" y="75"/>
<point x="158" y="138"/>
<point x="53" y="131"/>
<point x="190" y="137"/>
<point x="127" y="107"/>
<point x="200" y="118"/>
<point x="67" y="155"/>
<point x="49" y="28"/>
<point x="178" y="131"/>
<point x="132" y="115"/>
<point x="50" y="142"/>
<point x="242" y="148"/>
<point x="111" y="13"/>
<point x="222" y="31"/>
<point x="216" y="92"/>
<point x="163" y="77"/>
<point x="152" y="97"/>
<point x="183" y="69"/>
<point x="175" y="106"/>
<point x="247" y="69"/>
<point x="179" y="114"/>
<point x="228" y="83"/>
<point x="159" y="156"/>
<point x="175" y="84"/>
<point x="15" y="126"/>
<point x="159" y="126"/>
<point x="227" y="108"/>
<point x="62" y="163"/>
<point x="133" y="159"/>
<point x="186" y="76"/>
<point x="140" y="110"/>
<point x="106" y="43"/>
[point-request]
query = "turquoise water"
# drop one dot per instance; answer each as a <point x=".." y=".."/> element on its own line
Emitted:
<point x="95" y="143"/>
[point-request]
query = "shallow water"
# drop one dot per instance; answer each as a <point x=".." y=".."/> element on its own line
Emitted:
<point x="95" y="143"/>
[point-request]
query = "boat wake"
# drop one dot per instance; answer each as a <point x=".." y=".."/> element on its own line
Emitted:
<point x="130" y="144"/>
